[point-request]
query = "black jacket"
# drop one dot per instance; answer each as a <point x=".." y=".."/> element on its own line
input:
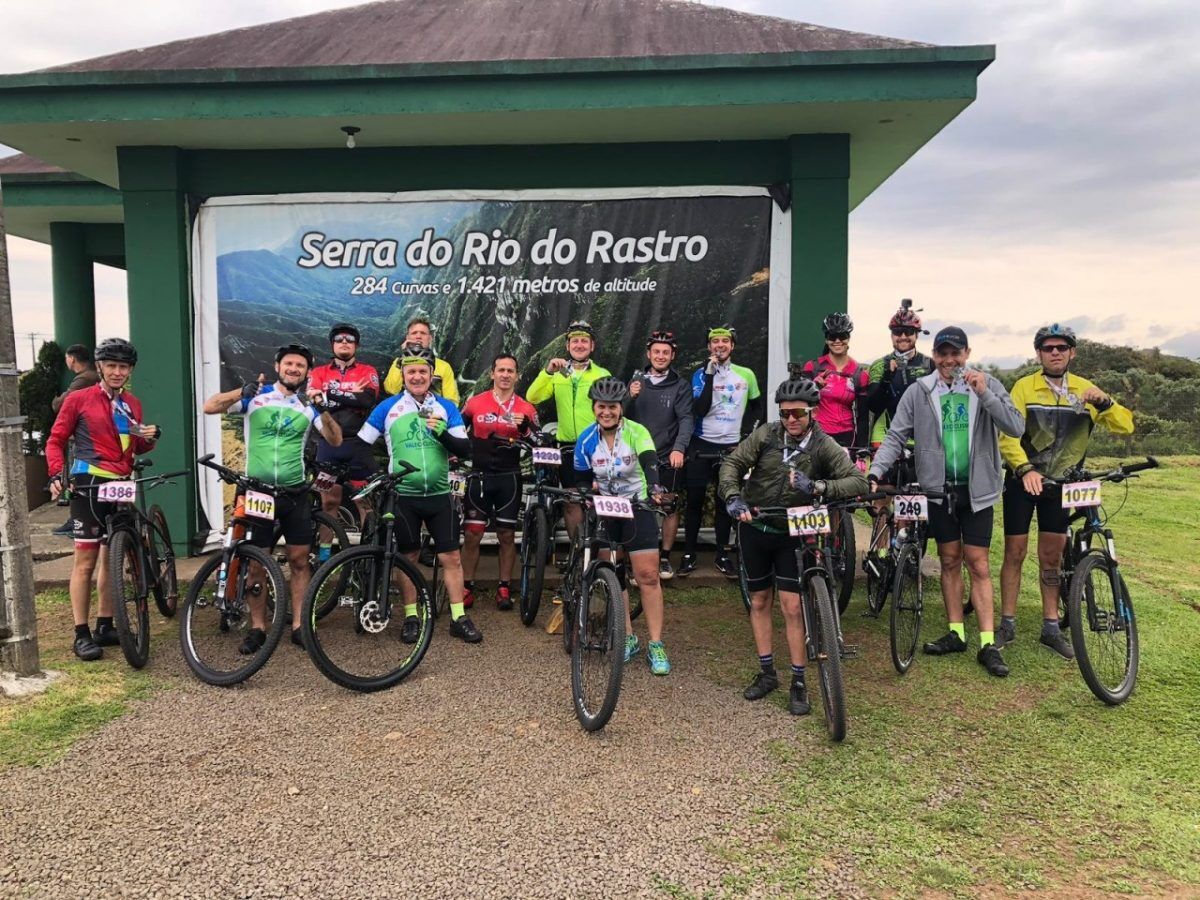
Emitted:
<point x="665" y="410"/>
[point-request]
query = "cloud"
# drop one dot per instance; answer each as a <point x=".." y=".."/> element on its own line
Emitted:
<point x="1184" y="345"/>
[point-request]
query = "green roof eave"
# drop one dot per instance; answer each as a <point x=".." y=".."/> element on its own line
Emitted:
<point x="978" y="56"/>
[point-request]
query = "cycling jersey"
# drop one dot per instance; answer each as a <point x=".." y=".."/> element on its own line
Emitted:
<point x="887" y="387"/>
<point x="276" y="426"/>
<point x="1058" y="425"/>
<point x="102" y="424"/>
<point x="569" y="387"/>
<point x="842" y="407"/>
<point x="401" y="420"/>
<point x="486" y="417"/>
<point x="351" y="392"/>
<point x="721" y="401"/>
<point x="628" y="468"/>
<point x="443" y="383"/>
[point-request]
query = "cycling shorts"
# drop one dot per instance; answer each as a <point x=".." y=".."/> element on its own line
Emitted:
<point x="959" y="523"/>
<point x="567" y="476"/>
<point x="354" y="452"/>
<point x="768" y="558"/>
<point x="88" y="514"/>
<point x="435" y="513"/>
<point x="700" y="470"/>
<point x="636" y="535"/>
<point x="293" y="520"/>
<point x="1019" y="506"/>
<point x="492" y="496"/>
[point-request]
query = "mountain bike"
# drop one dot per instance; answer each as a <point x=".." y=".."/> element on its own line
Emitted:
<point x="1095" y="603"/>
<point x="232" y="589"/>
<point x="543" y="508"/>
<point x="841" y="545"/>
<point x="460" y="477"/>
<point x="358" y="642"/>
<point x="141" y="561"/>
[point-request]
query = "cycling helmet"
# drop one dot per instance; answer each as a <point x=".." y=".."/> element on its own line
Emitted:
<point x="580" y="327"/>
<point x="723" y="331"/>
<point x="298" y="349"/>
<point x="608" y="390"/>
<point x="1055" y="330"/>
<point x="661" y="337"/>
<point x="116" y="350"/>
<point x="802" y="389"/>
<point x="345" y="328"/>
<point x="906" y="317"/>
<point x="413" y="353"/>
<point x="837" y="323"/>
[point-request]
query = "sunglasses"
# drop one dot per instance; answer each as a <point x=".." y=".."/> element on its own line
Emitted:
<point x="794" y="413"/>
<point x="906" y="332"/>
<point x="840" y="338"/>
<point x="1055" y="348"/>
<point x="344" y="339"/>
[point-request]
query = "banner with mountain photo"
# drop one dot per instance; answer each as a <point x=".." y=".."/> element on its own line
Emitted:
<point x="493" y="271"/>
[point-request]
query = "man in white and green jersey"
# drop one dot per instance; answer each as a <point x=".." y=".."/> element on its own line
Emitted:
<point x="424" y="430"/>
<point x="277" y="422"/>
<point x="726" y="405"/>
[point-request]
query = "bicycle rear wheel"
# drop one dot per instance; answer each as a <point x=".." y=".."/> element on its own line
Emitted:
<point x="1103" y="629"/>
<point x="598" y="649"/>
<point x="908" y="604"/>
<point x="843" y="557"/>
<point x="441" y="596"/>
<point x="743" y="580"/>
<point x="829" y="659"/>
<point x="166" y="586"/>
<point x="358" y="644"/>
<point x="130" y="592"/>
<point x="339" y="542"/>
<point x="216" y="619"/>
<point x="534" y="536"/>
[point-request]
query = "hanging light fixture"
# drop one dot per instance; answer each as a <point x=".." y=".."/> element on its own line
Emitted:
<point x="350" y="131"/>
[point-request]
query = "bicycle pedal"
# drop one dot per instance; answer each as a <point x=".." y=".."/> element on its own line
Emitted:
<point x="849" y="651"/>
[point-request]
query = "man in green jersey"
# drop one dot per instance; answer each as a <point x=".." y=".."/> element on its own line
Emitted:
<point x="276" y="427"/>
<point x="422" y="429"/>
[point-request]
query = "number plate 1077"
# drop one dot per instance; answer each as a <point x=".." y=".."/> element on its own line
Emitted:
<point x="1081" y="494"/>
<point x="808" y="520"/>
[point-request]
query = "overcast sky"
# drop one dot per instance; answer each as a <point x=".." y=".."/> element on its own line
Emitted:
<point x="1070" y="190"/>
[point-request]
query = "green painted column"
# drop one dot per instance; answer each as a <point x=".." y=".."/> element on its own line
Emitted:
<point x="820" y="182"/>
<point x="160" y="320"/>
<point x="74" y="285"/>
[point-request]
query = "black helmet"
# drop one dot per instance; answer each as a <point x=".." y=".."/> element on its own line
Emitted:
<point x="723" y="331"/>
<point x="661" y="337"/>
<point x="581" y="327"/>
<point x="801" y="389"/>
<point x="414" y="352"/>
<point x="116" y="350"/>
<point x="344" y="328"/>
<point x="1055" y="330"/>
<point x="297" y="349"/>
<point x="608" y="390"/>
<point x="837" y="323"/>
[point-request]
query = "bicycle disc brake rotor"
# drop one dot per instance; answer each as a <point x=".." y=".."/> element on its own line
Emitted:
<point x="370" y="617"/>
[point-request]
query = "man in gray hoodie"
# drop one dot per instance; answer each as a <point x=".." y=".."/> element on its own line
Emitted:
<point x="661" y="402"/>
<point x="954" y="416"/>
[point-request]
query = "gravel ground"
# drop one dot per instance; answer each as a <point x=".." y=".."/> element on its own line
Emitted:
<point x="472" y="778"/>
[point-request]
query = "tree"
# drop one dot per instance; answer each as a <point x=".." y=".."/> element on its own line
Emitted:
<point x="38" y="387"/>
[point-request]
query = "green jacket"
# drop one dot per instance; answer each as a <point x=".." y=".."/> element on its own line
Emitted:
<point x="761" y="454"/>
<point x="571" y="403"/>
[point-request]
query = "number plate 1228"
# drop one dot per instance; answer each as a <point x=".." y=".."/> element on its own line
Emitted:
<point x="808" y="520"/>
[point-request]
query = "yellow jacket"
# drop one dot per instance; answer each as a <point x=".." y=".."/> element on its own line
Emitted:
<point x="394" y="382"/>
<point x="1056" y="431"/>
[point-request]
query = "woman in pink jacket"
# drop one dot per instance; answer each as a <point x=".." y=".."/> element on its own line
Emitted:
<point x="842" y="409"/>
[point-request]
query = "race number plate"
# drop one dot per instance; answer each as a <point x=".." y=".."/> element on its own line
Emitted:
<point x="323" y="482"/>
<point x="614" y="507"/>
<point x="118" y="492"/>
<point x="808" y="520"/>
<point x="915" y="506"/>
<point x="458" y="483"/>
<point x="259" y="505"/>
<point x="1080" y="494"/>
<point x="547" y="456"/>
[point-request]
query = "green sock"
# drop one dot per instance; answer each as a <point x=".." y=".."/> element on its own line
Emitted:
<point x="410" y="609"/>
<point x="457" y="611"/>
<point x="985" y="638"/>
<point x="957" y="628"/>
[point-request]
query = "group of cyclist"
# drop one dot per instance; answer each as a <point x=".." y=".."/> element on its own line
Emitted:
<point x="650" y="438"/>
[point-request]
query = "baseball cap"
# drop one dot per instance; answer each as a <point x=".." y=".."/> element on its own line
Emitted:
<point x="952" y="335"/>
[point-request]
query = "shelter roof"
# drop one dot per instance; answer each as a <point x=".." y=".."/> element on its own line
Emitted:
<point x="24" y="164"/>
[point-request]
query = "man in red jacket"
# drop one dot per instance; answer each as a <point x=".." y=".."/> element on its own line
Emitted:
<point x="106" y="424"/>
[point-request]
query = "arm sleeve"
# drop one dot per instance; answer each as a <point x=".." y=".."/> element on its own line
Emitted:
<point x="649" y="461"/>
<point x="394" y="382"/>
<point x="687" y="419"/>
<point x="702" y="392"/>
<point x="755" y="414"/>
<point x="1010" y="447"/>
<point x="458" y="444"/>
<point x="738" y="463"/>
<point x="364" y="398"/>
<point x="877" y="389"/>
<point x="542" y="388"/>
<point x="862" y="415"/>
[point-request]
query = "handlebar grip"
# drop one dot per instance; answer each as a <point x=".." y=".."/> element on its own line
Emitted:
<point x="408" y="468"/>
<point x="1150" y="463"/>
<point x="207" y="458"/>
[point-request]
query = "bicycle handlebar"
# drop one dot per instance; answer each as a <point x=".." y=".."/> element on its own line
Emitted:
<point x="1120" y="473"/>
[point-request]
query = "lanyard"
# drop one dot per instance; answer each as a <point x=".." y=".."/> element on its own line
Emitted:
<point x="788" y="456"/>
<point x="506" y="410"/>
<point x="1063" y="393"/>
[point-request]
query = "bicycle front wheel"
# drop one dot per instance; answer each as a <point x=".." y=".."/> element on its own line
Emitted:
<point x="336" y="535"/>
<point x="829" y="658"/>
<point x="131" y="602"/>
<point x="219" y="613"/>
<point x="843" y="559"/>
<point x="908" y="604"/>
<point x="166" y="585"/>
<point x="598" y="649"/>
<point x="534" y="537"/>
<point x="360" y="643"/>
<point x="1103" y="629"/>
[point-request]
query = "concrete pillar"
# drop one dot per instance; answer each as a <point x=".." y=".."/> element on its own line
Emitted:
<point x="74" y="285"/>
<point x="160" y="321"/>
<point x="820" y="182"/>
